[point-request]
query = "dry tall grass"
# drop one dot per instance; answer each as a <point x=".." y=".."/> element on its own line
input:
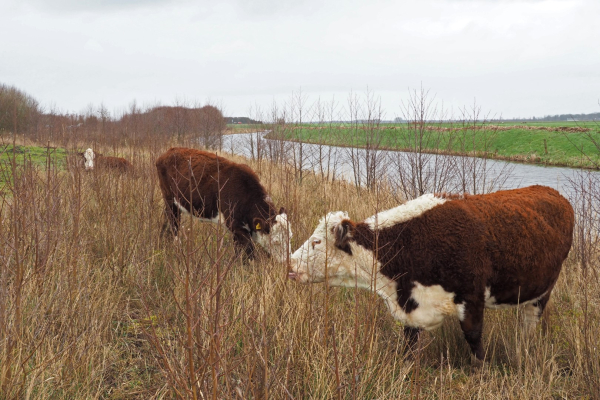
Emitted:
<point x="93" y="304"/>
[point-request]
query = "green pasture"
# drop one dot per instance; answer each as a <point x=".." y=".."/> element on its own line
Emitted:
<point x="242" y="127"/>
<point x="37" y="155"/>
<point x="574" y="149"/>
<point x="23" y="155"/>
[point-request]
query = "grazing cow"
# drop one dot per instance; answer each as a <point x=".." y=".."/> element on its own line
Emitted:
<point x="215" y="189"/>
<point x="441" y="255"/>
<point x="94" y="159"/>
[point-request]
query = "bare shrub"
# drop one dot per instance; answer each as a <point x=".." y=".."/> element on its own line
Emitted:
<point x="211" y="125"/>
<point x="367" y="160"/>
<point x="420" y="170"/>
<point x="475" y="172"/>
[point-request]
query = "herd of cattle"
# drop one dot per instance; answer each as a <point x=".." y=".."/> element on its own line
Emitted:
<point x="428" y="258"/>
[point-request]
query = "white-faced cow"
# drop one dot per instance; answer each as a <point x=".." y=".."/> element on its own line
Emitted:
<point x="442" y="255"/>
<point x="94" y="159"/>
<point x="215" y="189"/>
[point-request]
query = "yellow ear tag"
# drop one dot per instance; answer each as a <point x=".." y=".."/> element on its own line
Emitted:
<point x="258" y="227"/>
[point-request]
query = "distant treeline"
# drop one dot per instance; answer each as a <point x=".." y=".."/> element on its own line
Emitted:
<point x="241" y="120"/>
<point x="18" y="110"/>
<point x="561" y="117"/>
<point x="20" y="113"/>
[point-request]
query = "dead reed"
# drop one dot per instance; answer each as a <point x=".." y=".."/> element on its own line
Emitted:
<point x="93" y="304"/>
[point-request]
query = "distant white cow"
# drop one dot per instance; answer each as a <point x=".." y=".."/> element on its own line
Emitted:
<point x="94" y="159"/>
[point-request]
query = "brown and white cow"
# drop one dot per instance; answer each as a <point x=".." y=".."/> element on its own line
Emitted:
<point x="215" y="189"/>
<point x="94" y="159"/>
<point x="443" y="255"/>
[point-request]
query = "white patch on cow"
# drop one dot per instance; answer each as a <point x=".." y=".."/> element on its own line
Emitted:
<point x="405" y="212"/>
<point x="460" y="310"/>
<point x="531" y="316"/>
<point x="318" y="260"/>
<point x="434" y="305"/>
<point x="491" y="302"/>
<point x="317" y="254"/>
<point x="89" y="156"/>
<point x="278" y="242"/>
<point x="219" y="218"/>
<point x="531" y="312"/>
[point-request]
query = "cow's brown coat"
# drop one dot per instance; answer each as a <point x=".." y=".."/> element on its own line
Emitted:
<point x="511" y="242"/>
<point x="206" y="184"/>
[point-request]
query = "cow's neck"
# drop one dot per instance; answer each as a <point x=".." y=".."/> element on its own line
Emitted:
<point x="362" y="269"/>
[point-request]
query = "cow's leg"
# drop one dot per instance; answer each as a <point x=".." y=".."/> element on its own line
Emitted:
<point x="173" y="216"/>
<point x="411" y="337"/>
<point x="472" y="327"/>
<point x="532" y="313"/>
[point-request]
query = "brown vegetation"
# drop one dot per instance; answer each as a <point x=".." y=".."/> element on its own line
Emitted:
<point x="94" y="304"/>
<point x="18" y="111"/>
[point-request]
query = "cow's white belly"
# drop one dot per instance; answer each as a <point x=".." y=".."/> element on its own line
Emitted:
<point x="434" y="304"/>
<point x="490" y="301"/>
<point x="219" y="218"/>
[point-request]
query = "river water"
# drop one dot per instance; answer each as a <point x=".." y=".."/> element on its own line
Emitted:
<point x="437" y="172"/>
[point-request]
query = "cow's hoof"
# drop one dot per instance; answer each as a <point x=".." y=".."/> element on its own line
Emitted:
<point x="477" y="364"/>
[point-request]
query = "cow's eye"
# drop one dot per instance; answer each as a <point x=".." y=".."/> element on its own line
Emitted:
<point x="315" y="242"/>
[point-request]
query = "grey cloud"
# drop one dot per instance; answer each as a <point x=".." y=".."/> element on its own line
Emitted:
<point x="523" y="59"/>
<point x="62" y="6"/>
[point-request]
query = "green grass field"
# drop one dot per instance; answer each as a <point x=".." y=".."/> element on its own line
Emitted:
<point x="547" y="145"/>
<point x="242" y="128"/>
<point x="24" y="155"/>
<point x="38" y="155"/>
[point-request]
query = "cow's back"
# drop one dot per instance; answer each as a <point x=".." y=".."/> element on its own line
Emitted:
<point x="208" y="182"/>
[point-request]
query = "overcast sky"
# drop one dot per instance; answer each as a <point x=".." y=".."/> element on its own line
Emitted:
<point x="514" y="58"/>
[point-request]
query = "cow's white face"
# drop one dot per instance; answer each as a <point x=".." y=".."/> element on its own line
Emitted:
<point x="319" y="259"/>
<point x="278" y="241"/>
<point x="89" y="158"/>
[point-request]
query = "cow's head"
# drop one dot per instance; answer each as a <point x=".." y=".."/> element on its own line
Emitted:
<point x="326" y="255"/>
<point x="89" y="156"/>
<point x="274" y="235"/>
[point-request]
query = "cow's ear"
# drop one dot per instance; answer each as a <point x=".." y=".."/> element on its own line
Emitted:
<point x="258" y="224"/>
<point x="282" y="210"/>
<point x="343" y="233"/>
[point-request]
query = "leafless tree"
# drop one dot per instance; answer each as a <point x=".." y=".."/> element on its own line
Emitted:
<point x="211" y="125"/>
<point x="365" y="138"/>
<point x="421" y="168"/>
<point x="475" y="172"/>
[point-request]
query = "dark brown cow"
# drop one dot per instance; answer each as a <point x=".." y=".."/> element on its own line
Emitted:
<point x="446" y="255"/>
<point x="215" y="189"/>
<point x="96" y="160"/>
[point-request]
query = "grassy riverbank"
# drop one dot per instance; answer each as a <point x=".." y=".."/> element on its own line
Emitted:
<point x="564" y="144"/>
